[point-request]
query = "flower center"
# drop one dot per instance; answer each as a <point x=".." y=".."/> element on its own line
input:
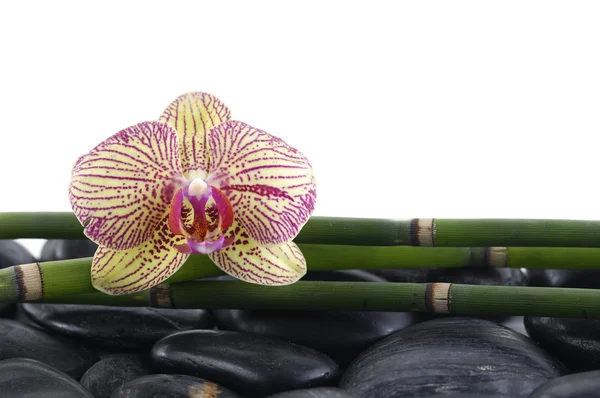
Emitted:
<point x="202" y="214"/>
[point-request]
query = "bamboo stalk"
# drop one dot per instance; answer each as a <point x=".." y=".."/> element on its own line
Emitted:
<point x="437" y="298"/>
<point x="58" y="278"/>
<point x="367" y="232"/>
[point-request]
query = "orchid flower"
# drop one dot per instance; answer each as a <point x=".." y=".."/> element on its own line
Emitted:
<point x="193" y="181"/>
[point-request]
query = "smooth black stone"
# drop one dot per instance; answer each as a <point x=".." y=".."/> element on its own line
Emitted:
<point x="575" y="341"/>
<point x="172" y="386"/>
<point x="13" y="253"/>
<point x="121" y="327"/>
<point x="319" y="392"/>
<point x="21" y="377"/>
<point x="248" y="364"/>
<point x="355" y="275"/>
<point x="585" y="279"/>
<point x="451" y="356"/>
<point x="340" y="334"/>
<point x="112" y="372"/>
<point x="411" y="275"/>
<point x="481" y="276"/>
<point x="515" y="323"/>
<point x="64" y="249"/>
<point x="21" y="341"/>
<point x="576" y="385"/>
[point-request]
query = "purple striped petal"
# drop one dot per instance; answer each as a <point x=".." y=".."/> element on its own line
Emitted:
<point x="118" y="272"/>
<point x="270" y="185"/>
<point x="247" y="260"/>
<point x="192" y="115"/>
<point x="123" y="187"/>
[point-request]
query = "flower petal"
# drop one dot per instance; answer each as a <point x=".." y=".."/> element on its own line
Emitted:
<point x="192" y="115"/>
<point x="121" y="189"/>
<point x="129" y="271"/>
<point x="247" y="260"/>
<point x="270" y="185"/>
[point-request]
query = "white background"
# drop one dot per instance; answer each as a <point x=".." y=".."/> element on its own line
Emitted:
<point x="406" y="109"/>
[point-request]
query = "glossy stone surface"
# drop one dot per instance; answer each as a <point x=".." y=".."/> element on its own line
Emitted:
<point x="587" y="279"/>
<point x="451" y="355"/>
<point x="32" y="379"/>
<point x="121" y="327"/>
<point x="63" y="249"/>
<point x="340" y="334"/>
<point x="319" y="392"/>
<point x="515" y="323"/>
<point x="574" y="341"/>
<point x="13" y="253"/>
<point x="481" y="276"/>
<point x="355" y="275"/>
<point x="172" y="386"/>
<point x="412" y="275"/>
<point x="252" y="365"/>
<point x="20" y="341"/>
<point x="576" y="385"/>
<point x="112" y="372"/>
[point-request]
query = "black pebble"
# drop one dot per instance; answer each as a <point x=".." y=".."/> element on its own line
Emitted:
<point x="410" y="275"/>
<point x="172" y="386"/>
<point x="319" y="392"/>
<point x="112" y="372"/>
<point x="466" y="275"/>
<point x="120" y="327"/>
<point x="575" y="341"/>
<point x="21" y="341"/>
<point x="481" y="276"/>
<point x="248" y="364"/>
<point x="21" y="377"/>
<point x="451" y="356"/>
<point x="586" y="279"/>
<point x="13" y="253"/>
<point x="340" y="334"/>
<point x="64" y="249"/>
<point x="577" y="385"/>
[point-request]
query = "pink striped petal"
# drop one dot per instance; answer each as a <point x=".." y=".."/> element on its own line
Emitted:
<point x="121" y="189"/>
<point x="247" y="260"/>
<point x="270" y="185"/>
<point x="192" y="115"/>
<point x="118" y="272"/>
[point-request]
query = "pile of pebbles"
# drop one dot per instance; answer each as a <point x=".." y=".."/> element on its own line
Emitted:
<point x="55" y="350"/>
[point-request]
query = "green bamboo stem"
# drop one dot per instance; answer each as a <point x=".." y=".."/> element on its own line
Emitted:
<point x="367" y="232"/>
<point x="59" y="278"/>
<point x="73" y="276"/>
<point x="40" y="225"/>
<point x="438" y="298"/>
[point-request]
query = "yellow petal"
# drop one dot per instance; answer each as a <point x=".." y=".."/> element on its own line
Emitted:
<point x="121" y="189"/>
<point x="140" y="268"/>
<point x="192" y="115"/>
<point x="247" y="260"/>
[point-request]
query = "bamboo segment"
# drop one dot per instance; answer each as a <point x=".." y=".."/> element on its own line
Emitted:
<point x="438" y="298"/>
<point x="58" y="278"/>
<point x="42" y="225"/>
<point x="524" y="233"/>
<point x="73" y="276"/>
<point x="367" y="232"/>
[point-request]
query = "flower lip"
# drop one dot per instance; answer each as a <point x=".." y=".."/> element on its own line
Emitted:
<point x="202" y="214"/>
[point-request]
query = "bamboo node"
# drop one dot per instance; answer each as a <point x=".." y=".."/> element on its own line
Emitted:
<point x="422" y="232"/>
<point x="28" y="278"/>
<point x="437" y="297"/>
<point x="497" y="256"/>
<point x="160" y="296"/>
